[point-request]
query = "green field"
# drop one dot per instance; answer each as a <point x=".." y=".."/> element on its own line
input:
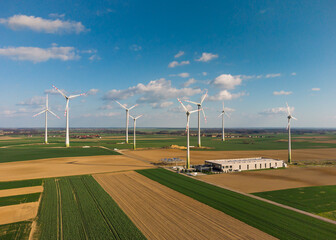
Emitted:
<point x="20" y="184"/>
<point x="279" y="222"/>
<point x="25" y="198"/>
<point x="79" y="208"/>
<point x="15" y="231"/>
<point x="320" y="200"/>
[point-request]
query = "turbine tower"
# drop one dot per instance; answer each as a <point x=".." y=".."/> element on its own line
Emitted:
<point x="46" y="110"/>
<point x="188" y="117"/>
<point x="222" y="114"/>
<point x="127" y="116"/>
<point x="134" y="127"/>
<point x="289" y="134"/>
<point x="66" y="113"/>
<point x="199" y="107"/>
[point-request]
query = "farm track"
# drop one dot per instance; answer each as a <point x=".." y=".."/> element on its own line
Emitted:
<point x="161" y="213"/>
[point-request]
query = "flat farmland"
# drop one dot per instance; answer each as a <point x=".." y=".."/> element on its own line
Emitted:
<point x="54" y="167"/>
<point x="275" y="179"/>
<point x="314" y="156"/>
<point x="162" y="213"/>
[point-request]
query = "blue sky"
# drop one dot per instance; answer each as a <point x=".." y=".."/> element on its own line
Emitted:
<point x="254" y="55"/>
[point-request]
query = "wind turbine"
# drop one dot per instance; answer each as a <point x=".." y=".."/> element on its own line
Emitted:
<point x="289" y="134"/>
<point x="46" y="110"/>
<point x="222" y="114"/>
<point x="127" y="116"/>
<point x="188" y="117"/>
<point x="199" y="107"/>
<point x="134" y="125"/>
<point x="66" y="113"/>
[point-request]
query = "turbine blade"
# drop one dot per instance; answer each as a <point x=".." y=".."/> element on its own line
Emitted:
<point x="60" y="91"/>
<point x="191" y="102"/>
<point x="195" y="111"/>
<point x="39" y="113"/>
<point x="223" y="105"/>
<point x="183" y="105"/>
<point x="47" y="101"/>
<point x="288" y="110"/>
<point x="54" y="114"/>
<point x="120" y="104"/>
<point x="220" y="114"/>
<point x="74" y="96"/>
<point x="227" y="115"/>
<point x="204" y="116"/>
<point x="294" y="118"/>
<point x="133" y="106"/>
<point x="132" y="117"/>
<point x="204" y="96"/>
<point x="139" y="116"/>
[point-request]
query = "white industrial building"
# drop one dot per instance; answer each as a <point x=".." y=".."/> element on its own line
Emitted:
<point x="244" y="164"/>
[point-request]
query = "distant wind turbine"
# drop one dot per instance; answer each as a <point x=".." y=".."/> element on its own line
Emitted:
<point x="188" y="117"/>
<point x="199" y="107"/>
<point x="134" y="129"/>
<point x="46" y="110"/>
<point x="289" y="134"/>
<point x="127" y="116"/>
<point x="66" y="113"/>
<point x="222" y="114"/>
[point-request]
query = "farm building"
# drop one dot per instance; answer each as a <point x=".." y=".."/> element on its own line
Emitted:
<point x="243" y="164"/>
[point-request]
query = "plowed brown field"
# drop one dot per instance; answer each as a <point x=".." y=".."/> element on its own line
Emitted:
<point x="260" y="181"/>
<point x="162" y="213"/>
<point x="18" y="213"/>
<point x="198" y="157"/>
<point x="55" y="167"/>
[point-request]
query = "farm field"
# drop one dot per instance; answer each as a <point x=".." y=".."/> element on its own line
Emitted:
<point x="276" y="221"/>
<point x="54" y="167"/>
<point x="78" y="208"/>
<point x="162" y="213"/>
<point x="320" y="200"/>
<point x="275" y="179"/>
<point x="301" y="156"/>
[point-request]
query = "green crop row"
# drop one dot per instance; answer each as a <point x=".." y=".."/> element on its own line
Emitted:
<point x="25" y="198"/>
<point x="78" y="208"/>
<point x="20" y="184"/>
<point x="279" y="222"/>
<point x="15" y="231"/>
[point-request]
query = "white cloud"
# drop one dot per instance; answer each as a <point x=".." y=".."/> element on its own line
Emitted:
<point x="183" y="75"/>
<point x="34" y="101"/>
<point x="36" y="54"/>
<point x="15" y="113"/>
<point x="106" y="107"/>
<point x="56" y="15"/>
<point x="206" y="57"/>
<point x="179" y="54"/>
<point x="162" y="104"/>
<point x="316" y="89"/>
<point x="227" y="81"/>
<point x="109" y="114"/>
<point x="180" y="109"/>
<point x="176" y="63"/>
<point x="53" y="91"/>
<point x="38" y="24"/>
<point x="225" y="95"/>
<point x="204" y="73"/>
<point x="154" y="92"/>
<point x="276" y="111"/>
<point x="273" y="75"/>
<point x="293" y="73"/>
<point x="135" y="48"/>
<point x="92" y="91"/>
<point x="189" y="82"/>
<point x="94" y="57"/>
<point x="282" y="92"/>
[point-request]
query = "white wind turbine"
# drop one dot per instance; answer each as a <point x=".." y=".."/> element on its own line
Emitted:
<point x="127" y="116"/>
<point x="222" y="114"/>
<point x="66" y="113"/>
<point x="188" y="117"/>
<point x="289" y="134"/>
<point x="134" y="128"/>
<point x="46" y="110"/>
<point x="199" y="107"/>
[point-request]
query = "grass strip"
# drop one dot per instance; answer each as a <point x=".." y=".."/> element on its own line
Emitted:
<point x="15" y="231"/>
<point x="276" y="221"/>
<point x="20" y="184"/>
<point x="25" y="198"/>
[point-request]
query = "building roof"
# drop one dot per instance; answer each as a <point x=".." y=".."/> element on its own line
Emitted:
<point x="242" y="160"/>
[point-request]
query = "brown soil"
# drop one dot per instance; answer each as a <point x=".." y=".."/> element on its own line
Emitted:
<point x="20" y="191"/>
<point x="18" y="213"/>
<point x="269" y="180"/>
<point x="55" y="167"/>
<point x="161" y="213"/>
<point x="9" y="138"/>
<point x="198" y="157"/>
